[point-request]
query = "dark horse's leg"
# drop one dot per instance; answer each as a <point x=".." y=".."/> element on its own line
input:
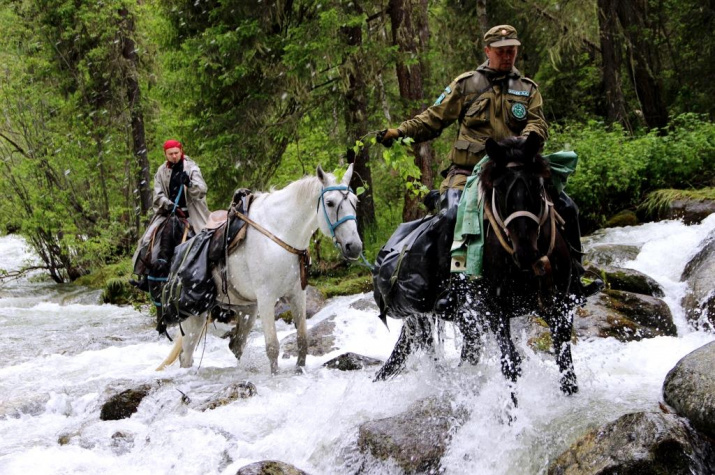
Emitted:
<point x="560" y="322"/>
<point x="510" y="358"/>
<point x="416" y="332"/>
<point x="470" y="326"/>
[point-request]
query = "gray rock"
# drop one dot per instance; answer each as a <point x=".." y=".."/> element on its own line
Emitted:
<point x="351" y="362"/>
<point x="314" y="302"/>
<point x="270" y="467"/>
<point x="691" y="211"/>
<point x="630" y="280"/>
<point x="639" y="443"/>
<point x="699" y="273"/>
<point x="366" y="303"/>
<point x="320" y="340"/>
<point x="124" y="404"/>
<point x="227" y="395"/>
<point x="416" y="439"/>
<point x="610" y="254"/>
<point x="690" y="388"/>
<point x="626" y="316"/>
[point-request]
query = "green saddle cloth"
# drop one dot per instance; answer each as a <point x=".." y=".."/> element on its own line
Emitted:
<point x="468" y="244"/>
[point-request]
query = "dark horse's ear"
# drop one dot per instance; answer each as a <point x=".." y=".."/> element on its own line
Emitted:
<point x="495" y="151"/>
<point x="532" y="146"/>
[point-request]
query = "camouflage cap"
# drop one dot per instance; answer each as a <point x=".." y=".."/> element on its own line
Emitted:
<point x="502" y="35"/>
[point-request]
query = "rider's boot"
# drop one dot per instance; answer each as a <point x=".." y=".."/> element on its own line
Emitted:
<point x="572" y="232"/>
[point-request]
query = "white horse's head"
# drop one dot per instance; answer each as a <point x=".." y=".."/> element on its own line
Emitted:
<point x="336" y="213"/>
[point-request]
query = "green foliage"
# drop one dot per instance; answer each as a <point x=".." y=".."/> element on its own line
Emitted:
<point x="616" y="170"/>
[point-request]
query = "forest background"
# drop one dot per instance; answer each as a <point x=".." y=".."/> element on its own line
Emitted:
<point x="261" y="91"/>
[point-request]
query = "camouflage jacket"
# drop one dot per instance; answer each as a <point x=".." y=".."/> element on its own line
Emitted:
<point x="486" y="104"/>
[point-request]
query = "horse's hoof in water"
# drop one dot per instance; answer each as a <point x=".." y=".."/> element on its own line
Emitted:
<point x="300" y="370"/>
<point x="568" y="385"/>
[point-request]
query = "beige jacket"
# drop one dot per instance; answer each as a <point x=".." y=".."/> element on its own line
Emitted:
<point x="195" y="194"/>
<point x="486" y="104"/>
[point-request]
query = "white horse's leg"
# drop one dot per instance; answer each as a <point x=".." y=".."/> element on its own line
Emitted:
<point x="193" y="328"/>
<point x="266" y="309"/>
<point x="299" y="320"/>
<point x="239" y="335"/>
<point x="173" y="355"/>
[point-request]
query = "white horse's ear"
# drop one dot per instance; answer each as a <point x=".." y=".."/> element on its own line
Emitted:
<point x="321" y="174"/>
<point x="348" y="175"/>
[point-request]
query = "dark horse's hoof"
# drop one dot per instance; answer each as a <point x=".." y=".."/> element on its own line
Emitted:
<point x="142" y="284"/>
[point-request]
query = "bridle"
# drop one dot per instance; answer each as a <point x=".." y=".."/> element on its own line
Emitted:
<point x="546" y="213"/>
<point x="345" y="193"/>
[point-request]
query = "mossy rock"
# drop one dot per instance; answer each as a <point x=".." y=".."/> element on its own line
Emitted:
<point x="623" y="218"/>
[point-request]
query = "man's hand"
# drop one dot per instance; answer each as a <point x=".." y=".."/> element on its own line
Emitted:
<point x="387" y="137"/>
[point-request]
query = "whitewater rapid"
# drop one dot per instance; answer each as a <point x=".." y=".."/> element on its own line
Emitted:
<point x="63" y="355"/>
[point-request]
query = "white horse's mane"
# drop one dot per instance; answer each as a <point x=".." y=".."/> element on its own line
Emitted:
<point x="305" y="188"/>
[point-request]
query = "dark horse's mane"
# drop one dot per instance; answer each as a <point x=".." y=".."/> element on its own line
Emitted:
<point x="518" y="150"/>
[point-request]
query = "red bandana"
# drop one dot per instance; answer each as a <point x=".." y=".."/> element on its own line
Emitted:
<point x="173" y="144"/>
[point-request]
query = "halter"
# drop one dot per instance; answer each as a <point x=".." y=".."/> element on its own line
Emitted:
<point x="321" y="199"/>
<point x="500" y="226"/>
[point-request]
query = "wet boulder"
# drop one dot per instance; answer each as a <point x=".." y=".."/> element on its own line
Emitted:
<point x="351" y="362"/>
<point x="416" y="439"/>
<point x="321" y="340"/>
<point x="626" y="316"/>
<point x="699" y="273"/>
<point x="630" y="280"/>
<point x="638" y="443"/>
<point x="124" y="404"/>
<point x="314" y="302"/>
<point x="622" y="218"/>
<point x="610" y="254"/>
<point x="690" y="388"/>
<point x="270" y="467"/>
<point x="689" y="210"/>
<point x="229" y="394"/>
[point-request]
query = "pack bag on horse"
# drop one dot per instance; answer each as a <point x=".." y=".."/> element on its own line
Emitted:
<point x="180" y="211"/>
<point x="272" y="262"/>
<point x="520" y="261"/>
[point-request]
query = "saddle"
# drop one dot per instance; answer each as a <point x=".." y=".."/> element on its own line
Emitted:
<point x="228" y="230"/>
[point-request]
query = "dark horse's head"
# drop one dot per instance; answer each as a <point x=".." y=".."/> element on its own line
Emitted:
<point x="513" y="183"/>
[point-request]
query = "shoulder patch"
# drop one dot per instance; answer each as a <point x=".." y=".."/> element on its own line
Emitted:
<point x="447" y="91"/>
<point x="523" y="78"/>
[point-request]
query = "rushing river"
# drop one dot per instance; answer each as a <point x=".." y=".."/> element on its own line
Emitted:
<point x="63" y="354"/>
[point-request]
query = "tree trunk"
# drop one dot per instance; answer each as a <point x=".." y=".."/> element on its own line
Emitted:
<point x="137" y="115"/>
<point x="410" y="32"/>
<point x="611" y="64"/>
<point x="643" y="61"/>
<point x="482" y="21"/>
<point x="356" y="125"/>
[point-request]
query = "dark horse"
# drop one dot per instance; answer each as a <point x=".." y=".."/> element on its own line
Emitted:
<point x="527" y="262"/>
<point x="526" y="268"/>
<point x="172" y="232"/>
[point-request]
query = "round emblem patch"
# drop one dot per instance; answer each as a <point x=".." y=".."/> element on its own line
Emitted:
<point x="518" y="110"/>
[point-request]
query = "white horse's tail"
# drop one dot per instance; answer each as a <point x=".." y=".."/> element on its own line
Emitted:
<point x="175" y="352"/>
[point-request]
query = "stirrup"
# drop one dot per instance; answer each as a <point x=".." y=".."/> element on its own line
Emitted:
<point x="594" y="287"/>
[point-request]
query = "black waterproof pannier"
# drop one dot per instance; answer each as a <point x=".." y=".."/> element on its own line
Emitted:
<point x="190" y="289"/>
<point x="412" y="267"/>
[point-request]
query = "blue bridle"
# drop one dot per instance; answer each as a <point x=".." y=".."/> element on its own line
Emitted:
<point x="334" y="226"/>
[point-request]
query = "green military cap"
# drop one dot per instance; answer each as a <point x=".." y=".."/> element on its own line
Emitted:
<point x="502" y="35"/>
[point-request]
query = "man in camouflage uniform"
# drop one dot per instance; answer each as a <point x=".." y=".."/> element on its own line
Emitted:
<point x="494" y="101"/>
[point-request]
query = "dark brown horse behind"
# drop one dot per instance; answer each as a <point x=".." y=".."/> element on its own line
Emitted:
<point x="527" y="265"/>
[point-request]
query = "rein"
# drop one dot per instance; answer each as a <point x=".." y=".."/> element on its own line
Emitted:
<point x="303" y="255"/>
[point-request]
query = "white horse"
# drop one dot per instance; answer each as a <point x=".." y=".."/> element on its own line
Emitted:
<point x="260" y="270"/>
